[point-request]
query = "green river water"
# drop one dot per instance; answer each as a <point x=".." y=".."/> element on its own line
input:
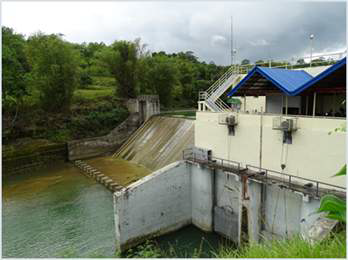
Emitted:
<point x="58" y="212"/>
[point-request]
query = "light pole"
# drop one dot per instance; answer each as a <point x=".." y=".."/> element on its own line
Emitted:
<point x="234" y="51"/>
<point x="311" y="37"/>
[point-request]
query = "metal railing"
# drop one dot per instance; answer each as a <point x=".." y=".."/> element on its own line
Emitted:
<point x="189" y="155"/>
<point x="332" y="58"/>
<point x="289" y="181"/>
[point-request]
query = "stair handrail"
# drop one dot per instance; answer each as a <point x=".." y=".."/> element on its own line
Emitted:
<point x="219" y="82"/>
<point x="223" y="80"/>
<point x="222" y="77"/>
<point x="222" y="104"/>
<point x="218" y="92"/>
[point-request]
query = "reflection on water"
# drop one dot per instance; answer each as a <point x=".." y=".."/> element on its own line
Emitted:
<point x="56" y="212"/>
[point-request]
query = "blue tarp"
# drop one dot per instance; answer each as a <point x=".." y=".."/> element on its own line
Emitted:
<point x="291" y="82"/>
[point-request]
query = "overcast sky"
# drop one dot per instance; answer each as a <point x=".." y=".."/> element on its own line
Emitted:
<point x="262" y="29"/>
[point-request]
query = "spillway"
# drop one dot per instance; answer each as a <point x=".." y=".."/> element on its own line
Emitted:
<point x="159" y="142"/>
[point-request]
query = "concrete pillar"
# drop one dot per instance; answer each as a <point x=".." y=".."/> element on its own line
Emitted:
<point x="314" y="102"/>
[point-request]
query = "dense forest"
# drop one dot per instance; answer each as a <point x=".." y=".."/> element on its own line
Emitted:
<point x="59" y="90"/>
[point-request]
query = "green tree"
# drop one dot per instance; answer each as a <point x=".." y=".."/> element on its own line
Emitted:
<point x="300" y="61"/>
<point x="55" y="70"/>
<point x="245" y="62"/>
<point x="121" y="59"/>
<point x="14" y="68"/>
<point x="159" y="77"/>
<point x="187" y="77"/>
<point x="260" y="62"/>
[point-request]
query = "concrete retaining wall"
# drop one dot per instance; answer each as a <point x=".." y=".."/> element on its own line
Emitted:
<point x="157" y="204"/>
<point x="91" y="147"/>
<point x="19" y="159"/>
<point x="183" y="193"/>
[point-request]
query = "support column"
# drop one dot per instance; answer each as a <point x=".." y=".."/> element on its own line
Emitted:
<point x="244" y="103"/>
<point x="314" y="101"/>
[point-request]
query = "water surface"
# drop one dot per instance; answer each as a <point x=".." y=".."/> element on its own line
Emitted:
<point x="56" y="212"/>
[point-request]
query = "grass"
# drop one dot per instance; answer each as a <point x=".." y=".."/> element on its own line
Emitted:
<point x="180" y="113"/>
<point x="296" y="247"/>
<point x="92" y="93"/>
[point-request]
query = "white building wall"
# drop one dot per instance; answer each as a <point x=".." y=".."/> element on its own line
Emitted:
<point x="313" y="154"/>
<point x="274" y="104"/>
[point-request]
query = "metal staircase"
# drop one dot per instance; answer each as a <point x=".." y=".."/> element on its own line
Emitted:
<point x="211" y="97"/>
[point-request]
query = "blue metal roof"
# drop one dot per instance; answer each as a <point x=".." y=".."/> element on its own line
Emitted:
<point x="321" y="76"/>
<point x="286" y="80"/>
<point x="291" y="82"/>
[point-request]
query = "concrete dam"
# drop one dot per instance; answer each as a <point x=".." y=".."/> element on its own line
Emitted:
<point x="158" y="142"/>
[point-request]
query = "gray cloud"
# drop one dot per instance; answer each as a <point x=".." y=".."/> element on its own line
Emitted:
<point x="262" y="29"/>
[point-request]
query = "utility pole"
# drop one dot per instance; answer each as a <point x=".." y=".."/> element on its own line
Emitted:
<point x="232" y="50"/>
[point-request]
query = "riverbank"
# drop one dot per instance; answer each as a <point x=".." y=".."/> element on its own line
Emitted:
<point x="28" y="154"/>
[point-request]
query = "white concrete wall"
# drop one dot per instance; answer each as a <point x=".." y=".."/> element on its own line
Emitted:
<point x="252" y="103"/>
<point x="313" y="154"/>
<point x="274" y="104"/>
<point x="156" y="204"/>
<point x="202" y="197"/>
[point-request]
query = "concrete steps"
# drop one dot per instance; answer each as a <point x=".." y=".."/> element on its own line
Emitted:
<point x="97" y="175"/>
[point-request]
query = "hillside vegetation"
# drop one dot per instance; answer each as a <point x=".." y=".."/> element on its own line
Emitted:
<point x="57" y="90"/>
